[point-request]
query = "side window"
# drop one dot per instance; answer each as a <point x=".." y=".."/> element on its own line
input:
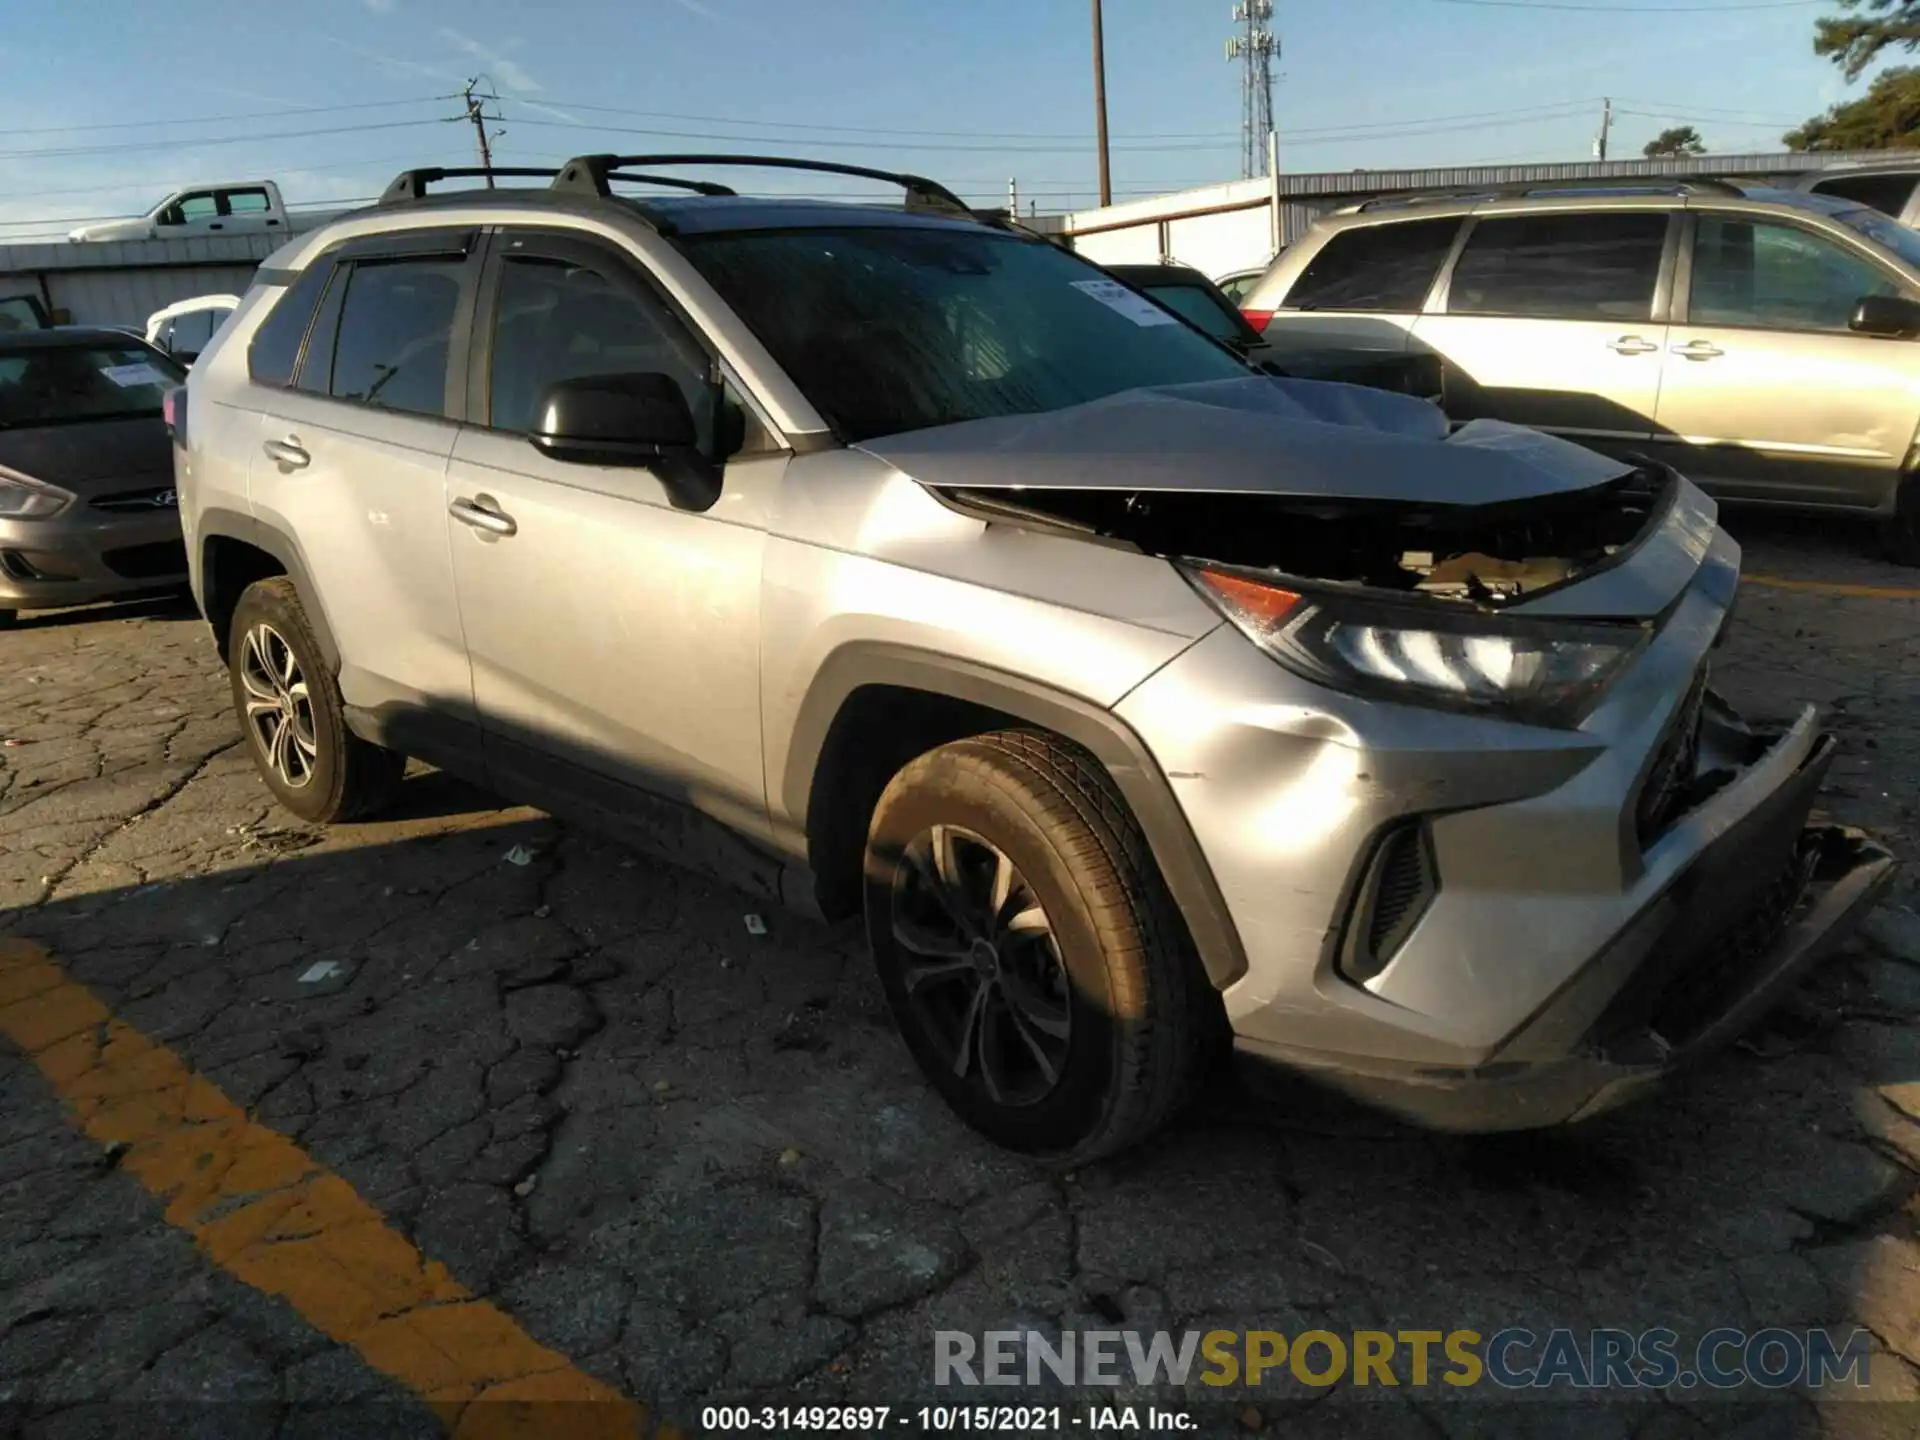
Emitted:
<point x="190" y="208"/>
<point x="1886" y="193"/>
<point x="275" y="349"/>
<point x="163" y="337"/>
<point x="1776" y="277"/>
<point x="189" y="333"/>
<point x="560" y="319"/>
<point x="1386" y="268"/>
<point x="395" y="330"/>
<point x="1595" y="266"/>
<point x="247" y="202"/>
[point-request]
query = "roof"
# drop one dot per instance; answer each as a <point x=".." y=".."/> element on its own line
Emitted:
<point x="1161" y="275"/>
<point x="708" y="214"/>
<point x="60" y="336"/>
<point x="1599" y="195"/>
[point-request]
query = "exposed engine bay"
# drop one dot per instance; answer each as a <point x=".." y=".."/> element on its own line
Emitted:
<point x="1483" y="555"/>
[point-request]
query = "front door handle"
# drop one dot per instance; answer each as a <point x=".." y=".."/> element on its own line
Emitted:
<point x="483" y="513"/>
<point x="1632" y="345"/>
<point x="288" y="454"/>
<point x="1699" y="350"/>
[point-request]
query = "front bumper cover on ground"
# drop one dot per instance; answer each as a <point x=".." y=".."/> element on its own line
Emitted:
<point x="1754" y="913"/>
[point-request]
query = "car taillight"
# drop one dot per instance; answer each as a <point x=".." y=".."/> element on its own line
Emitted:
<point x="1258" y="319"/>
<point x="174" y="406"/>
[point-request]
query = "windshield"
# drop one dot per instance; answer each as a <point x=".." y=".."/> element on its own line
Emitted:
<point x="1887" y="233"/>
<point x="62" y="384"/>
<point x="1197" y="306"/>
<point x="888" y="329"/>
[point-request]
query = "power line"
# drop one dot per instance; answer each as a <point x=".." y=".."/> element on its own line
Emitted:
<point x="224" y="119"/>
<point x="189" y="144"/>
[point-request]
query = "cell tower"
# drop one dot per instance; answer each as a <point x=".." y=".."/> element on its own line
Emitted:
<point x="1254" y="47"/>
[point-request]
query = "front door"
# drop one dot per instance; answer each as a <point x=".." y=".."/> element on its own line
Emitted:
<point x="1550" y="320"/>
<point x="353" y="461"/>
<point x="1767" y="394"/>
<point x="611" y="634"/>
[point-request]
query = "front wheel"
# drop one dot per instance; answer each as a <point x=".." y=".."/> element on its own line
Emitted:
<point x="290" y="710"/>
<point x="1032" y="958"/>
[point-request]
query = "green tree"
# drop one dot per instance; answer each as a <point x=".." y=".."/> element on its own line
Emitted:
<point x="1886" y="117"/>
<point x="1676" y="140"/>
<point x="1854" y="39"/>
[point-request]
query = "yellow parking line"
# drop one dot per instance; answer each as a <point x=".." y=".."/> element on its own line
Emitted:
<point x="1823" y="587"/>
<point x="266" y="1212"/>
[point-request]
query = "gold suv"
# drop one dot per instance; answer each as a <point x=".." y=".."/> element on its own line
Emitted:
<point x="1761" y="341"/>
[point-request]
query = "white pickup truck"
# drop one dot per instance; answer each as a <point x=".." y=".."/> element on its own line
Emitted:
<point x="243" y="207"/>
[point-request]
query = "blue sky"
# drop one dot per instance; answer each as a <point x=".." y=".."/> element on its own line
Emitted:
<point x="332" y="99"/>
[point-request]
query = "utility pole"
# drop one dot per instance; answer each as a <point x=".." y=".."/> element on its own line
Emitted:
<point x="1013" y="197"/>
<point x="477" y="116"/>
<point x="1100" y="104"/>
<point x="1606" y="124"/>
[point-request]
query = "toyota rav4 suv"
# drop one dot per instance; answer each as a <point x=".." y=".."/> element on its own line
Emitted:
<point x="892" y="560"/>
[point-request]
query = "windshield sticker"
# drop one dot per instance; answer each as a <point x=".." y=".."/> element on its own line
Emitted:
<point x="1116" y="297"/>
<point x="128" y="376"/>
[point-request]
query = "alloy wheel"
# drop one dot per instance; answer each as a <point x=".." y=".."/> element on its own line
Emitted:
<point x="981" y="966"/>
<point x="279" y="709"/>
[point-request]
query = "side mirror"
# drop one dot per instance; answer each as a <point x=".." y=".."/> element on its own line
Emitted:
<point x="629" y="419"/>
<point x="1893" y="316"/>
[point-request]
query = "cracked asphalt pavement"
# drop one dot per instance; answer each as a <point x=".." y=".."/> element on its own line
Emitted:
<point x="696" y="1162"/>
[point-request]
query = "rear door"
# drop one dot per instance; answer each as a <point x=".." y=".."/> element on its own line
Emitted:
<point x="1556" y="320"/>
<point x="353" y="462"/>
<point x="1768" y="395"/>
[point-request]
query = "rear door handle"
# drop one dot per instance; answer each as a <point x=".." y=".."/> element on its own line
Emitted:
<point x="1632" y="345"/>
<point x="288" y="454"/>
<point x="483" y="513"/>
<point x="1698" y="350"/>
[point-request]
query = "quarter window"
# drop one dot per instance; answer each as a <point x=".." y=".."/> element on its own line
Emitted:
<point x="1594" y="266"/>
<point x="1776" y="277"/>
<point x="395" y="330"/>
<point x="1381" y="268"/>
<point x="276" y="344"/>
<point x="559" y="319"/>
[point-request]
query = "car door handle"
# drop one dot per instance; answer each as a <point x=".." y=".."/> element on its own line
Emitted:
<point x="483" y="513"/>
<point x="288" y="454"/>
<point x="1698" y="350"/>
<point x="1632" y="345"/>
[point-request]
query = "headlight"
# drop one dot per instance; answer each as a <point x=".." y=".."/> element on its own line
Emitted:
<point x="1543" y="671"/>
<point x="23" y="499"/>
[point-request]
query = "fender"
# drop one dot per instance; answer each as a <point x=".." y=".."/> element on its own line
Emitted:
<point x="234" y="525"/>
<point x="1101" y="732"/>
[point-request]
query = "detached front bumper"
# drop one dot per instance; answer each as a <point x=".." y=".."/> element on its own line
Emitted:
<point x="1753" y="913"/>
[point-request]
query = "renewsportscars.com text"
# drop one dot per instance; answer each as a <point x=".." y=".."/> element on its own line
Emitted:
<point x="1601" y="1359"/>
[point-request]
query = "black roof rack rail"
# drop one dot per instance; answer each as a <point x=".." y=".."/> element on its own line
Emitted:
<point x="1602" y="184"/>
<point x="590" y="173"/>
<point x="412" y="184"/>
<point x="698" y="187"/>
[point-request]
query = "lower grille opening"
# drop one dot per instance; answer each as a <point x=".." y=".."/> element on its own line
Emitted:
<point x="1399" y="886"/>
<point x="19" y="566"/>
<point x="148" y="562"/>
<point x="1664" y="795"/>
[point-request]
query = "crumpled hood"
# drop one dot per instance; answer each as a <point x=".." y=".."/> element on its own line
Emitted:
<point x="1298" y="438"/>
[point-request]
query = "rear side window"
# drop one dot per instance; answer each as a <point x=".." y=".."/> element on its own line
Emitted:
<point x="395" y="334"/>
<point x="276" y="344"/>
<point x="1886" y="193"/>
<point x="1593" y="266"/>
<point x="1376" y="267"/>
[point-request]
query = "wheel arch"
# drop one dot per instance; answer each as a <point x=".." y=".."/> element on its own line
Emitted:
<point x="234" y="551"/>
<point x="871" y="708"/>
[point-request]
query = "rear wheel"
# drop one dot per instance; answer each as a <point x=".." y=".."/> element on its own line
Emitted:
<point x="1033" y="960"/>
<point x="290" y="710"/>
<point x="1900" y="532"/>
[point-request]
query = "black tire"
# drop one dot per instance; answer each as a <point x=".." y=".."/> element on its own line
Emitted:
<point x="1900" y="532"/>
<point x="332" y="774"/>
<point x="1141" y="1019"/>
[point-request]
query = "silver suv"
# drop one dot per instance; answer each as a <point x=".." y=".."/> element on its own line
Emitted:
<point x="1764" y="342"/>
<point x="892" y="560"/>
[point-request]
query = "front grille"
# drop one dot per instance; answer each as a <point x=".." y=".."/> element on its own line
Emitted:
<point x="1399" y="885"/>
<point x="1698" y="993"/>
<point x="148" y="562"/>
<point x="1663" y="797"/>
<point x="153" y="497"/>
